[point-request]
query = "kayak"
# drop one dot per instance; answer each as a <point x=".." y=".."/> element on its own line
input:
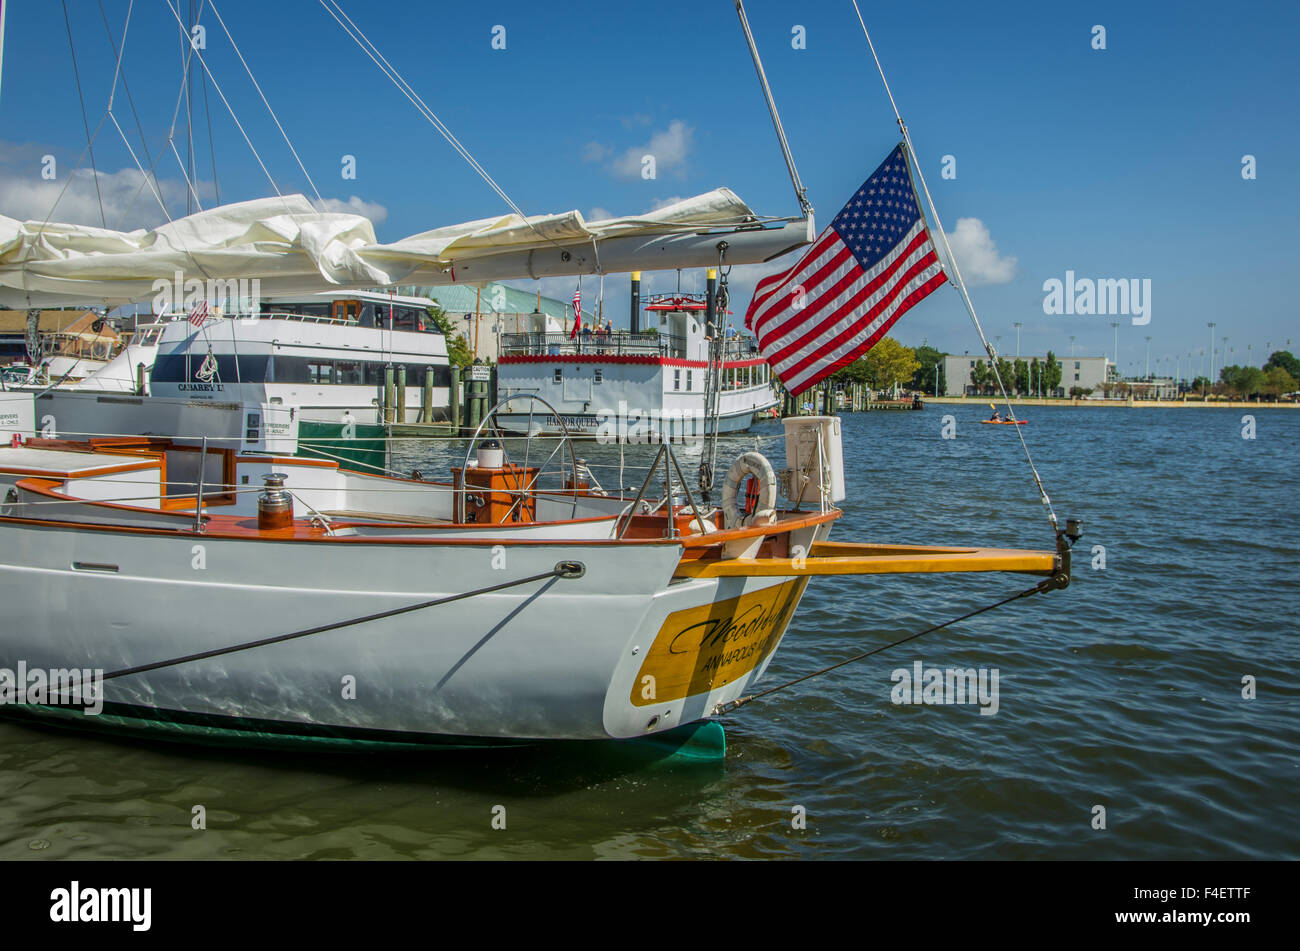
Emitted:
<point x="1003" y="422"/>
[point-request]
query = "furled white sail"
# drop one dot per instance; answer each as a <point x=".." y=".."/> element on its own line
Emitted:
<point x="291" y="247"/>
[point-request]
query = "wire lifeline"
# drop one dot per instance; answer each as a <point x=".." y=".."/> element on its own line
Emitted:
<point x="959" y="283"/>
<point x="1047" y="584"/>
<point x="564" y="569"/>
<point x="354" y="32"/>
<point x="84" y="123"/>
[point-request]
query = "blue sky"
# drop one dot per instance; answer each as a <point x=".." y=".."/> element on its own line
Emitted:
<point x="1117" y="163"/>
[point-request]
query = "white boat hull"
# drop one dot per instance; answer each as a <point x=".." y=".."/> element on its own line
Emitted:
<point x="555" y="659"/>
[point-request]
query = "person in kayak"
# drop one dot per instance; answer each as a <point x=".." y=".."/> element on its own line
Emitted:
<point x="996" y="417"/>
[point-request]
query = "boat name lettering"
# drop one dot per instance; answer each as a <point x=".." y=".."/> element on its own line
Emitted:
<point x="754" y="622"/>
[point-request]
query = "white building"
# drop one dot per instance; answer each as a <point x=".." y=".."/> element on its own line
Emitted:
<point x="1083" y="372"/>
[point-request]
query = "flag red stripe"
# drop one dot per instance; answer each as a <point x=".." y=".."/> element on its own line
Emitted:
<point x="856" y="273"/>
<point x="761" y="289"/>
<point x="906" y="304"/>
<point x="762" y="294"/>
<point x="804" y="323"/>
<point x="901" y="307"/>
<point x="811" y="285"/>
<point x="861" y="320"/>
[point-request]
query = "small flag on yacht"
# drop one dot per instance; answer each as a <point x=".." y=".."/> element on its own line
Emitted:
<point x="577" y="312"/>
<point x="199" y="314"/>
<point x="874" y="262"/>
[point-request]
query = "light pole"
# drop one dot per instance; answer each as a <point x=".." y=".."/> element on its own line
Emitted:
<point x="1071" y="348"/>
<point x="1115" y="326"/>
<point x="1148" y="358"/>
<point x="1017" y="325"/>
<point x="1211" y="326"/>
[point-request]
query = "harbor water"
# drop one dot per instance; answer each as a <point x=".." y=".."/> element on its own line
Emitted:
<point x="1151" y="710"/>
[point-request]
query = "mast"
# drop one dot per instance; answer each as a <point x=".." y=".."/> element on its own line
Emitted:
<point x="2" y="38"/>
<point x="187" y="54"/>
<point x="800" y="192"/>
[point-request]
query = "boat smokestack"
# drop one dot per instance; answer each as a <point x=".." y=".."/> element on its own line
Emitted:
<point x="274" y="504"/>
<point x="635" y="325"/>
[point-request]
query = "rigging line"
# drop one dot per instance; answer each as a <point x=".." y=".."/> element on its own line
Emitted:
<point x="107" y="114"/>
<point x="76" y="75"/>
<point x="144" y="143"/>
<point x="405" y="88"/>
<point x="256" y="86"/>
<point x="397" y="79"/>
<point x="217" y="86"/>
<point x="186" y="60"/>
<point x="188" y="184"/>
<point x="117" y="70"/>
<point x="189" y="112"/>
<point x="212" y="148"/>
<point x="959" y="283"/>
<point x="31" y="245"/>
<point x="153" y="167"/>
<point x="148" y="179"/>
<point x="800" y="192"/>
<point x="1047" y="584"/>
<point x="564" y="569"/>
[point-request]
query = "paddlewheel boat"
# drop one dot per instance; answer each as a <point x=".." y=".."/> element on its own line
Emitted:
<point x="686" y="376"/>
<point x="265" y="600"/>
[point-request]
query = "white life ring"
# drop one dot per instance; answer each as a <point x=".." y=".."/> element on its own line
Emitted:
<point x="753" y="464"/>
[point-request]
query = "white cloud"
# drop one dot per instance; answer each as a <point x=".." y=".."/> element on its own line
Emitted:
<point x="977" y="254"/>
<point x="664" y="202"/>
<point x="598" y="214"/>
<point x="669" y="148"/>
<point x="126" y="196"/>
<point x="354" y="206"/>
<point x="127" y="199"/>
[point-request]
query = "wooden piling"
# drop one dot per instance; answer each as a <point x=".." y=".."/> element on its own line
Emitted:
<point x="401" y="395"/>
<point x="453" y="398"/>
<point x="388" y="394"/>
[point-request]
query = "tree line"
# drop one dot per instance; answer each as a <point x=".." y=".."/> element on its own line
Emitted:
<point x="1031" y="377"/>
<point x="1280" y="375"/>
<point x="890" y="363"/>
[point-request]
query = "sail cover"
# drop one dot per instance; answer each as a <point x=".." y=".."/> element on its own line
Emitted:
<point x="290" y="247"/>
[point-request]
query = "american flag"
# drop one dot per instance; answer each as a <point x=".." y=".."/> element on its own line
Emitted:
<point x="577" y="311"/>
<point x="199" y="314"/>
<point x="873" y="263"/>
